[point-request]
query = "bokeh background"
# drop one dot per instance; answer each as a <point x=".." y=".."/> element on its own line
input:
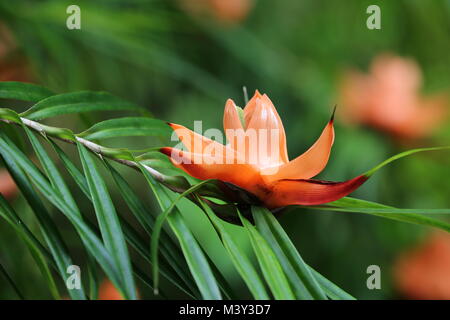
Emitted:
<point x="182" y="59"/>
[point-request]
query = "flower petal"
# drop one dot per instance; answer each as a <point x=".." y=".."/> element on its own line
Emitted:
<point x="231" y="117"/>
<point x="250" y="107"/>
<point x="199" y="144"/>
<point x="310" y="192"/>
<point x="310" y="163"/>
<point x="193" y="141"/>
<point x="263" y="118"/>
<point x="205" y="167"/>
<point x="231" y="122"/>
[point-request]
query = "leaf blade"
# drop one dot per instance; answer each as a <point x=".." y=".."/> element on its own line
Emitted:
<point x="127" y="127"/>
<point x="108" y="221"/>
<point x="89" y="238"/>
<point x="272" y="271"/>
<point x="239" y="259"/>
<point x="77" y="102"/>
<point x="295" y="268"/>
<point x="197" y="262"/>
<point x="23" y="91"/>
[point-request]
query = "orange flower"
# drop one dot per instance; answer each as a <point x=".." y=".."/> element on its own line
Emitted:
<point x="8" y="187"/>
<point x="13" y="66"/>
<point x="423" y="273"/>
<point x="388" y="99"/>
<point x="229" y="11"/>
<point x="108" y="291"/>
<point x="262" y="167"/>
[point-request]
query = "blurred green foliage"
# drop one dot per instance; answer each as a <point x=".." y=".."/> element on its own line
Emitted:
<point x="183" y="68"/>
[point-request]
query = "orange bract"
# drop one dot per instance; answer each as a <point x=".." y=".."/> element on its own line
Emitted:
<point x="261" y="166"/>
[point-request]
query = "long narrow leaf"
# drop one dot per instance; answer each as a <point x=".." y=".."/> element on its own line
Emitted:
<point x="332" y="291"/>
<point x="89" y="238"/>
<point x="169" y="250"/>
<point x="414" y="216"/>
<point x="77" y="102"/>
<point x="11" y="282"/>
<point x="239" y="258"/>
<point x="293" y="265"/>
<point x="23" y="91"/>
<point x="109" y="223"/>
<point x="130" y="234"/>
<point x="271" y="268"/>
<point x="127" y="127"/>
<point x="49" y="230"/>
<point x="158" y="227"/>
<point x="198" y="264"/>
<point x="37" y="251"/>
<point x="58" y="184"/>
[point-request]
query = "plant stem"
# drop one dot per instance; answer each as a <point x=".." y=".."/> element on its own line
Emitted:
<point x="91" y="146"/>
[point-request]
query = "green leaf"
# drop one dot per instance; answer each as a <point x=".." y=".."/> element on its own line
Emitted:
<point x="89" y="238"/>
<point x="168" y="248"/>
<point x="332" y="291"/>
<point x="93" y="278"/>
<point x="49" y="230"/>
<point x="10" y="115"/>
<point x="270" y="266"/>
<point x="238" y="257"/>
<point x="38" y="252"/>
<point x="197" y="262"/>
<point x="414" y="216"/>
<point x="144" y="217"/>
<point x="298" y="273"/>
<point x="401" y="155"/>
<point x="71" y="168"/>
<point x="77" y="102"/>
<point x="23" y="91"/>
<point x="109" y="222"/>
<point x="127" y="127"/>
<point x="158" y="227"/>
<point x="10" y="280"/>
<point x="350" y="202"/>
<point x="60" y="186"/>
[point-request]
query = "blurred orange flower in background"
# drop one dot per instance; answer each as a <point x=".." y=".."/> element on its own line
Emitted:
<point x="8" y="187"/>
<point x="388" y="99"/>
<point x="424" y="271"/>
<point x="13" y="66"/>
<point x="229" y="11"/>
<point x="108" y="291"/>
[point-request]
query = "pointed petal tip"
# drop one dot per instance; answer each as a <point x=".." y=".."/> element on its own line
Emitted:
<point x="311" y="192"/>
<point x="166" y="150"/>
<point x="175" y="126"/>
<point x="333" y="114"/>
<point x="230" y="102"/>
